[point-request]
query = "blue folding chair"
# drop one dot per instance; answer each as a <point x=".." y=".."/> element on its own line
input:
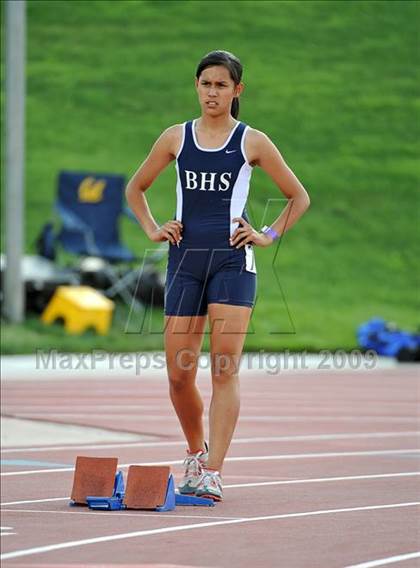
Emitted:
<point x="90" y="206"/>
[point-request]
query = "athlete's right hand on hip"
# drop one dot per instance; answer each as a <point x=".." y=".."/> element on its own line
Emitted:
<point x="170" y="231"/>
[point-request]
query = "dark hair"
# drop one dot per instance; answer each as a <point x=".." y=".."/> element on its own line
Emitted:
<point x="232" y="64"/>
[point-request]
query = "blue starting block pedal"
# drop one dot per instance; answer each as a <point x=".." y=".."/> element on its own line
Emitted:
<point x="172" y="499"/>
<point x="106" y="503"/>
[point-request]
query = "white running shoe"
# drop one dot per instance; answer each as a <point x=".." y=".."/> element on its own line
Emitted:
<point x="210" y="485"/>
<point x="193" y="464"/>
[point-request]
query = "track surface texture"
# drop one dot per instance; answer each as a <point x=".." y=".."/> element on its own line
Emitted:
<point x="323" y="472"/>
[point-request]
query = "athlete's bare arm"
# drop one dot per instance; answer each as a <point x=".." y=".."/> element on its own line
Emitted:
<point x="262" y="152"/>
<point x="163" y="152"/>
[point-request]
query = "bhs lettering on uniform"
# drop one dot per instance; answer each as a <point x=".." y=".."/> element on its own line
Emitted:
<point x="207" y="181"/>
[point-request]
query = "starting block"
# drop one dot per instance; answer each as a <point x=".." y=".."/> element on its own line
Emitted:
<point x="146" y="487"/>
<point x="98" y="476"/>
<point x="80" y="307"/>
<point x="97" y="484"/>
<point x="153" y="487"/>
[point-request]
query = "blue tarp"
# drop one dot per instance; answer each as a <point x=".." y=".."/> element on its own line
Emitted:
<point x="386" y="339"/>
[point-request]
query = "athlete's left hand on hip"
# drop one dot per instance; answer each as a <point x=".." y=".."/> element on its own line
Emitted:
<point x="246" y="234"/>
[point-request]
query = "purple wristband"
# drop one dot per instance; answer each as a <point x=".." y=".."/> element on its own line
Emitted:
<point x="271" y="232"/>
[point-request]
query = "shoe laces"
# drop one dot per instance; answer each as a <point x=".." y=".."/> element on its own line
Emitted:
<point x="212" y="478"/>
<point x="192" y="464"/>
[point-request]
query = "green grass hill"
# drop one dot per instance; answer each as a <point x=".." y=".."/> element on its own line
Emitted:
<point x="335" y="86"/>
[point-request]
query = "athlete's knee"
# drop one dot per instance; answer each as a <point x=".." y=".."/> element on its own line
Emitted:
<point x="224" y="378"/>
<point x="225" y="368"/>
<point x="182" y="370"/>
<point x="180" y="379"/>
<point x="225" y="364"/>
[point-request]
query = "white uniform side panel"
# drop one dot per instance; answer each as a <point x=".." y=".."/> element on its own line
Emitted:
<point x="239" y="195"/>
<point x="178" y="179"/>
<point x="250" y="265"/>
<point x="178" y="195"/>
<point x="238" y="201"/>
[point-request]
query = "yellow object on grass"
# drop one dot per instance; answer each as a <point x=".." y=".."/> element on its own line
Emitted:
<point x="80" y="307"/>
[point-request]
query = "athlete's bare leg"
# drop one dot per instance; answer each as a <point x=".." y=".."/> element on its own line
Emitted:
<point x="183" y="338"/>
<point x="228" y="325"/>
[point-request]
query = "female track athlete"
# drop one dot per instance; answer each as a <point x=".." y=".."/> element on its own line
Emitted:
<point x="211" y="271"/>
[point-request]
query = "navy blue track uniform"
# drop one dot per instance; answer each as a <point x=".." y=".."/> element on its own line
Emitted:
<point x="212" y="189"/>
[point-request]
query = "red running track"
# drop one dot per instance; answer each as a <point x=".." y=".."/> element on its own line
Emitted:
<point x="323" y="473"/>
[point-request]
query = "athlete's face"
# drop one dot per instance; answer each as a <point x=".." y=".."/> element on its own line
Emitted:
<point x="216" y="90"/>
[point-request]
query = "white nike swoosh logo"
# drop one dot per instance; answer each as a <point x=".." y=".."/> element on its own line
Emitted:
<point x="230" y="151"/>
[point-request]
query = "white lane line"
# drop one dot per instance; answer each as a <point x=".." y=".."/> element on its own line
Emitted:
<point x="271" y="439"/>
<point x="123" y="513"/>
<point x="95" y="540"/>
<point x="35" y="501"/>
<point x="232" y="459"/>
<point x="269" y="403"/>
<point x="323" y="479"/>
<point x="8" y="533"/>
<point x="244" y="418"/>
<point x="258" y="484"/>
<point x="384" y="561"/>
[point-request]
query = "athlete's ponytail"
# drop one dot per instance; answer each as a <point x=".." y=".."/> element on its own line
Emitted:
<point x="232" y="64"/>
<point x="234" y="109"/>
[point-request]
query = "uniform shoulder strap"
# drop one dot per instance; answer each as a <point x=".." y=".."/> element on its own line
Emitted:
<point x="237" y="135"/>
